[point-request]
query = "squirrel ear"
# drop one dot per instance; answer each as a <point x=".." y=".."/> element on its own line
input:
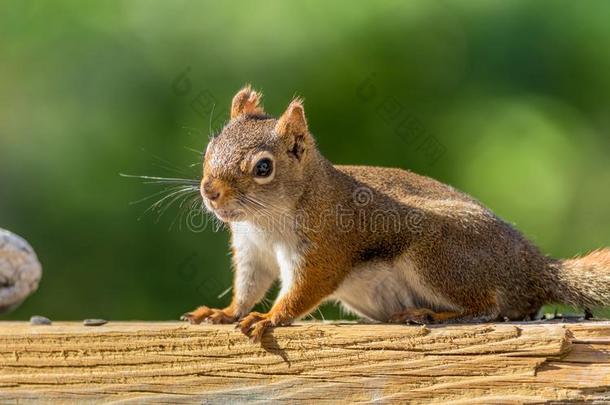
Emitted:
<point x="293" y="121"/>
<point x="246" y="101"/>
<point x="293" y="125"/>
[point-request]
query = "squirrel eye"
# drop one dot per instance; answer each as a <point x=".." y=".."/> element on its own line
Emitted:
<point x="263" y="168"/>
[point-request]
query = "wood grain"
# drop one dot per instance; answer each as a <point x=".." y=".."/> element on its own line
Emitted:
<point x="134" y="362"/>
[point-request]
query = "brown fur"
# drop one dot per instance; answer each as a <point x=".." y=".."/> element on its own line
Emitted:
<point x="246" y="101"/>
<point x="461" y="251"/>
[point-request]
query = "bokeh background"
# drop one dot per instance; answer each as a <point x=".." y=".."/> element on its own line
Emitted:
<point x="508" y="101"/>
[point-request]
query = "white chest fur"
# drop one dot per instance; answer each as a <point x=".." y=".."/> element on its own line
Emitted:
<point x="288" y="259"/>
<point x="268" y="251"/>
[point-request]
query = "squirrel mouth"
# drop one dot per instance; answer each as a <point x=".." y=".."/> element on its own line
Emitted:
<point x="228" y="215"/>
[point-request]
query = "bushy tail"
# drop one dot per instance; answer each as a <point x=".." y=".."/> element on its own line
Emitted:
<point x="585" y="281"/>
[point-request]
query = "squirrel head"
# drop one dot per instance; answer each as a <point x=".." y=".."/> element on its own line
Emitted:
<point x="256" y="166"/>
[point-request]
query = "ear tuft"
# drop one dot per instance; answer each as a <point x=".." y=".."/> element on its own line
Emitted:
<point x="246" y="101"/>
<point x="293" y="121"/>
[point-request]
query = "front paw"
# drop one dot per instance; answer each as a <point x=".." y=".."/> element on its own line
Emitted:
<point x="210" y="315"/>
<point x="254" y="325"/>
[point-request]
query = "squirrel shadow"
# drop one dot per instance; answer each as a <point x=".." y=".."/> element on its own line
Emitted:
<point x="270" y="344"/>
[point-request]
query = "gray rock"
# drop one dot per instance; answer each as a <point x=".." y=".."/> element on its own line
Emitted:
<point x="20" y="271"/>
<point x="94" y="322"/>
<point x="40" y="320"/>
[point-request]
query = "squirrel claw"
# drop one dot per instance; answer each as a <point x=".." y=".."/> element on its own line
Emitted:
<point x="423" y="316"/>
<point x="413" y="316"/>
<point x="190" y="318"/>
<point x="254" y="326"/>
<point x="208" y="315"/>
<point x="258" y="331"/>
<point x="219" y="316"/>
<point x="197" y="316"/>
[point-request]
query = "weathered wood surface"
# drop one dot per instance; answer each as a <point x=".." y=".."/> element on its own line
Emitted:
<point x="132" y="362"/>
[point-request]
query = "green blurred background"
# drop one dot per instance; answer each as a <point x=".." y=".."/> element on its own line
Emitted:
<point x="508" y="101"/>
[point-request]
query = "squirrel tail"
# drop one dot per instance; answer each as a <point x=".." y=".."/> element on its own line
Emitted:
<point x="584" y="281"/>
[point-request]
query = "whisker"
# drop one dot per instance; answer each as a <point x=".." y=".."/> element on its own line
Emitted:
<point x="210" y="134"/>
<point x="194" y="205"/>
<point x="225" y="292"/>
<point x="177" y="190"/>
<point x="167" y="165"/>
<point x="192" y="129"/>
<point x="171" y="202"/>
<point x="161" y="180"/>
<point x="181" y="209"/>
<point x="219" y="225"/>
<point x="154" y="195"/>
<point x="199" y="152"/>
<point x="152" y="206"/>
<point x="156" y="205"/>
<point x="169" y="168"/>
<point x="265" y="208"/>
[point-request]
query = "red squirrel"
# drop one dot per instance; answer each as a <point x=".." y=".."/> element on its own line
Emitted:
<point x="388" y="244"/>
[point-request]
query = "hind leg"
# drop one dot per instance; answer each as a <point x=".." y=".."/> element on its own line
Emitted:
<point x="423" y="316"/>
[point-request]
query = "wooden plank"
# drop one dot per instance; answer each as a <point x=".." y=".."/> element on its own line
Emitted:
<point x="310" y="362"/>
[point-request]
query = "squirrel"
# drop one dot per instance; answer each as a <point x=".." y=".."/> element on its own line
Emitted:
<point x="389" y="245"/>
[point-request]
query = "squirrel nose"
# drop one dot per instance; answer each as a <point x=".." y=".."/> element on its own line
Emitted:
<point x="209" y="191"/>
<point x="212" y="195"/>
